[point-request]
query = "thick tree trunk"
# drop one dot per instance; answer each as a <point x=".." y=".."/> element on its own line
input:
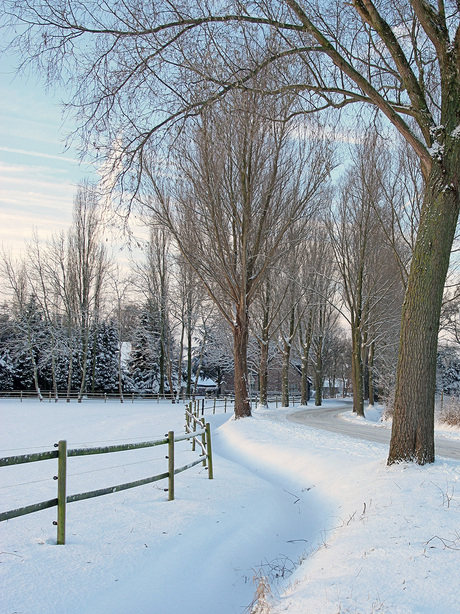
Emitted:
<point x="240" y="353"/>
<point x="412" y="437"/>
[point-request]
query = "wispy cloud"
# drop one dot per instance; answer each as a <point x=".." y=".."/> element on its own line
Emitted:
<point x="38" y="154"/>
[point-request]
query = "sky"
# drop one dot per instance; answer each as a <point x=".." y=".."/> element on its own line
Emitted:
<point x="38" y="178"/>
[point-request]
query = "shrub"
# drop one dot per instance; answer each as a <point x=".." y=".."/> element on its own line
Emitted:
<point x="449" y="412"/>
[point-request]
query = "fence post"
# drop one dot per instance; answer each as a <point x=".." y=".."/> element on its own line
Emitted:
<point x="62" y="497"/>
<point x="171" y="466"/>
<point x="225" y="405"/>
<point x="203" y="441"/>
<point x="214" y="408"/>
<point x="194" y="429"/>
<point x="209" y="449"/>
<point x="202" y="407"/>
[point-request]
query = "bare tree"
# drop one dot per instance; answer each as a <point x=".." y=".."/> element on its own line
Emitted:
<point x="154" y="282"/>
<point x="186" y="301"/>
<point x="88" y="266"/>
<point x="353" y="228"/>
<point x="265" y="321"/>
<point x="245" y="181"/>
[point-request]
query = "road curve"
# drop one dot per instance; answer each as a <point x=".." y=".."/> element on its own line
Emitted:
<point x="326" y="418"/>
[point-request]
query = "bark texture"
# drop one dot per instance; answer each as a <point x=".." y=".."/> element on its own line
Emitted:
<point x="240" y="346"/>
<point x="413" y="421"/>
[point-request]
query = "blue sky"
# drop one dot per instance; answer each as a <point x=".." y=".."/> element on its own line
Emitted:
<point x="37" y="177"/>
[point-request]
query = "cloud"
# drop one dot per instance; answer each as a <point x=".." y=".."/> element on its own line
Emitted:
<point x="38" y="154"/>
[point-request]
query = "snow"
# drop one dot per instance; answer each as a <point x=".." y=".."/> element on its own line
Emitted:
<point x="374" y="417"/>
<point x="321" y="516"/>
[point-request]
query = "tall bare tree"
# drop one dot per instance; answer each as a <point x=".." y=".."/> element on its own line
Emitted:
<point x="88" y="266"/>
<point x="243" y="182"/>
<point x="154" y="283"/>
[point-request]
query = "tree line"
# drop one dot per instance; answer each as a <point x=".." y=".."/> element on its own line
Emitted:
<point x="328" y="293"/>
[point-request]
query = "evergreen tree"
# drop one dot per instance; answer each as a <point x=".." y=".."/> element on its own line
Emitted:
<point x="103" y="376"/>
<point x="143" y="364"/>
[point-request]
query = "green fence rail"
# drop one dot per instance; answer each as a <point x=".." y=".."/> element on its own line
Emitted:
<point x="62" y="454"/>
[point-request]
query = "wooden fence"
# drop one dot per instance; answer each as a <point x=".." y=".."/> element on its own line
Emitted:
<point x="130" y="397"/>
<point x="62" y="454"/>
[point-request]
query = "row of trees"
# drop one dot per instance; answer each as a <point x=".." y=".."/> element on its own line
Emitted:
<point x="253" y="243"/>
<point x="140" y="67"/>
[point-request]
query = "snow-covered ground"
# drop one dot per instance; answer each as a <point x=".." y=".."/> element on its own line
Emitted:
<point x="318" y="516"/>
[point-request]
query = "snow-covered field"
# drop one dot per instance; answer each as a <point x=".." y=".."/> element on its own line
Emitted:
<point x="318" y="515"/>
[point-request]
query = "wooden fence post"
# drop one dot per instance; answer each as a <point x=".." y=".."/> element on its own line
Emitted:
<point x="171" y="466"/>
<point x="209" y="450"/>
<point x="62" y="497"/>
<point x="203" y="442"/>
<point x="194" y="429"/>
<point x="225" y="405"/>
<point x="214" y="408"/>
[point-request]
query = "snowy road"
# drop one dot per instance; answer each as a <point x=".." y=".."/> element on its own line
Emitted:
<point x="327" y="418"/>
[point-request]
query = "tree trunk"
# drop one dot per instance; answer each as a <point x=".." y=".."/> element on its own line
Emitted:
<point x="120" y="370"/>
<point x="304" y="388"/>
<point x="161" y="366"/>
<point x="357" y="373"/>
<point x="285" y="375"/>
<point x="263" y="371"/>
<point x="188" y="389"/>
<point x="305" y="345"/>
<point x="365" y="362"/>
<point x="240" y="353"/>
<point x="318" y="387"/>
<point x="412" y="437"/>
<point x="70" y="370"/>
<point x="53" y="371"/>
<point x="319" y="372"/>
<point x="85" y="347"/>
<point x="370" y="367"/>
<point x="287" y="361"/>
<point x="179" y="365"/>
